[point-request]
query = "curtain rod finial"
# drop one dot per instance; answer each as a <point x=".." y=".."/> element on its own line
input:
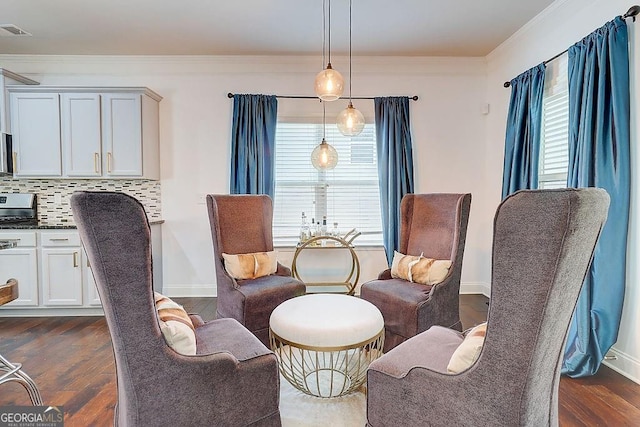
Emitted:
<point x="507" y="84"/>
<point x="229" y="95"/>
<point x="632" y="12"/>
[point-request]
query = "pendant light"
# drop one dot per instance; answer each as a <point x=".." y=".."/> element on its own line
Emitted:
<point x="350" y="121"/>
<point x="329" y="83"/>
<point x="324" y="156"/>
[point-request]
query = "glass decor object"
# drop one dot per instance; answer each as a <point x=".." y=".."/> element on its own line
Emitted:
<point x="324" y="156"/>
<point x="329" y="84"/>
<point x="350" y="121"/>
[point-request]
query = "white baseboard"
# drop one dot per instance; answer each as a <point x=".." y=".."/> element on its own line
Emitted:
<point x="624" y="364"/>
<point x="210" y="290"/>
<point x="206" y="290"/>
<point x="475" y="288"/>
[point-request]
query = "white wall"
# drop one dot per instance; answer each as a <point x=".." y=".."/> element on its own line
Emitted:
<point x="559" y="26"/>
<point x="195" y="115"/>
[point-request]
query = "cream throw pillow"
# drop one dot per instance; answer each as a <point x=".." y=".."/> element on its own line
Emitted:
<point x="250" y="266"/>
<point x="419" y="269"/>
<point x="469" y="350"/>
<point x="176" y="325"/>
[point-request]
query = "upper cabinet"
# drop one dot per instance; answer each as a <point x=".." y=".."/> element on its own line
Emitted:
<point x="85" y="132"/>
<point x="35" y="123"/>
<point x="9" y="78"/>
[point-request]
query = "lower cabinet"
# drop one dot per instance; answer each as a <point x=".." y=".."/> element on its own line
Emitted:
<point x="53" y="271"/>
<point x="21" y="263"/>
<point x="90" y="290"/>
<point x="61" y="268"/>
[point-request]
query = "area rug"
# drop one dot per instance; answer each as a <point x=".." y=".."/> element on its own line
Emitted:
<point x="301" y="410"/>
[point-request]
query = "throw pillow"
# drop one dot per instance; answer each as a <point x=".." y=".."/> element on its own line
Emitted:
<point x="176" y="325"/>
<point x="469" y="350"/>
<point x="250" y="266"/>
<point x="419" y="269"/>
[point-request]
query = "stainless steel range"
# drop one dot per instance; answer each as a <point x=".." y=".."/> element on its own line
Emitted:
<point x="18" y="208"/>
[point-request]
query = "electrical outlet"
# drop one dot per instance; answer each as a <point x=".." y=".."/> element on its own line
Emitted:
<point x="57" y="198"/>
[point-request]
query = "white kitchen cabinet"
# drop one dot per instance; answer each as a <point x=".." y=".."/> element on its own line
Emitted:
<point x="61" y="277"/>
<point x="101" y="132"/>
<point x="54" y="274"/>
<point x="21" y="263"/>
<point x="61" y="268"/>
<point x="9" y="78"/>
<point x="81" y="134"/>
<point x="35" y="124"/>
<point x="91" y="291"/>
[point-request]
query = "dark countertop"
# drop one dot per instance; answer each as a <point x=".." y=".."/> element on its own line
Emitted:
<point x="56" y="226"/>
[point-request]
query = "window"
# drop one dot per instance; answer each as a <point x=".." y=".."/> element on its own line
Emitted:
<point x="348" y="194"/>
<point x="554" y="146"/>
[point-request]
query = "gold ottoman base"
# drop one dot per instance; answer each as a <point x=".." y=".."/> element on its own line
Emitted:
<point x="326" y="371"/>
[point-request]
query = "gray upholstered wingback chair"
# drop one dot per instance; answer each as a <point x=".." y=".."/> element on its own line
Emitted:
<point x="242" y="224"/>
<point x="233" y="379"/>
<point x="543" y="241"/>
<point x="436" y="226"/>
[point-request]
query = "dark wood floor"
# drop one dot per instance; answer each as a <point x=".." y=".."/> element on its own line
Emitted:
<point x="71" y="360"/>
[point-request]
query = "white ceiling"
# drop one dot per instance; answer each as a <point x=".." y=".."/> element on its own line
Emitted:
<point x="262" y="27"/>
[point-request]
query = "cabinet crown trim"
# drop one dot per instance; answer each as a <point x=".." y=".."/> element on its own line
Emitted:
<point x="79" y="89"/>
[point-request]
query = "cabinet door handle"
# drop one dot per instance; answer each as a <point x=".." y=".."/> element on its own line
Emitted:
<point x="109" y="161"/>
<point x="96" y="160"/>
<point x="58" y="239"/>
<point x="75" y="259"/>
<point x="15" y="162"/>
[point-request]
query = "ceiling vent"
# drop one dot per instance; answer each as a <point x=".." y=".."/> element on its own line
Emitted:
<point x="10" y="30"/>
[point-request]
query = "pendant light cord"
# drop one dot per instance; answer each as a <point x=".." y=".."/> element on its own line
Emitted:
<point x="324" y="121"/>
<point x="350" y="1"/>
<point x="324" y="31"/>
<point x="329" y="42"/>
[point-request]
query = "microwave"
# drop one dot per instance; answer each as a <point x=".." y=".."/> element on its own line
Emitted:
<point x="6" y="150"/>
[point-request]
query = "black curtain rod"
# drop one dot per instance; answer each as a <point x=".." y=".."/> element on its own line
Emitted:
<point x="631" y="13"/>
<point x="415" y="97"/>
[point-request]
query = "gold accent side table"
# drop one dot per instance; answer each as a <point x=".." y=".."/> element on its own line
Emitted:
<point x="337" y="243"/>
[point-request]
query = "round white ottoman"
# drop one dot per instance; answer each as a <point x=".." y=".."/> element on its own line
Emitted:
<point x="324" y="342"/>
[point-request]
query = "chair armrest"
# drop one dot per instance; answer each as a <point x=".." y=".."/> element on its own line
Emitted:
<point x="429" y="350"/>
<point x="385" y="275"/>
<point x="283" y="270"/>
<point x="196" y="320"/>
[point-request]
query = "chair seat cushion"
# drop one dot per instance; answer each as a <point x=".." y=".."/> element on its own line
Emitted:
<point x="230" y="336"/>
<point x="399" y="301"/>
<point x="265" y="293"/>
<point x="431" y="349"/>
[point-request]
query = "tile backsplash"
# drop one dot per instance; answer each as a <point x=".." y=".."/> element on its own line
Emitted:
<point x="53" y="195"/>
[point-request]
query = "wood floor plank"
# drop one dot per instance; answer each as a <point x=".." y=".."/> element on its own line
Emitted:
<point x="71" y="360"/>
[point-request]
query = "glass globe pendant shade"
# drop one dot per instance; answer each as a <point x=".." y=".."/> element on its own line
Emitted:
<point x="324" y="156"/>
<point x="329" y="84"/>
<point x="350" y="121"/>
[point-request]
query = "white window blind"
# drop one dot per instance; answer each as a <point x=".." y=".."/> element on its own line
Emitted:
<point x="347" y="195"/>
<point x="554" y="149"/>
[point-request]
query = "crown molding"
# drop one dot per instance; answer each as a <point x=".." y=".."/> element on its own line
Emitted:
<point x="234" y="64"/>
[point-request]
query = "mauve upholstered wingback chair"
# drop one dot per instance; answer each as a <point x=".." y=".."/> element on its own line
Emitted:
<point x="242" y="224"/>
<point x="543" y="241"/>
<point x="232" y="380"/>
<point x="434" y="225"/>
